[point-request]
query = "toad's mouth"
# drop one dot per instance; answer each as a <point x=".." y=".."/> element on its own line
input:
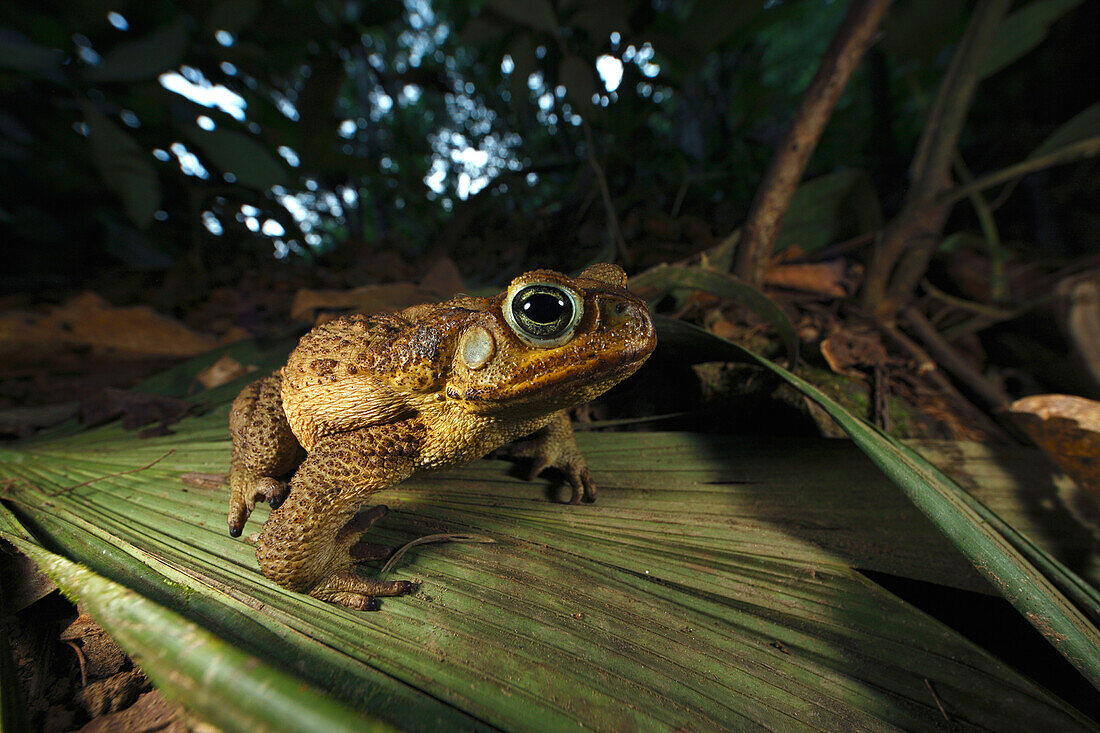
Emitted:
<point x="561" y="376"/>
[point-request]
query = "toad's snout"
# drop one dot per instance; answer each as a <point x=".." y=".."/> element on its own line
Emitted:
<point x="628" y="317"/>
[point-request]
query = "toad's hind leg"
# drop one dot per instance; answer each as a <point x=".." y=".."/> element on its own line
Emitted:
<point x="311" y="543"/>
<point x="264" y="448"/>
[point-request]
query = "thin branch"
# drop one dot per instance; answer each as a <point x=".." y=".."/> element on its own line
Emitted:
<point x="998" y="255"/>
<point x="613" y="228"/>
<point x="937" y="699"/>
<point x="911" y="238"/>
<point x="981" y="309"/>
<point x="950" y="359"/>
<point x="1081" y="149"/>
<point x="850" y="42"/>
<point x="928" y="369"/>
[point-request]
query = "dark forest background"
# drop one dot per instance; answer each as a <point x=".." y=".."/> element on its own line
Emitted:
<point x="212" y="159"/>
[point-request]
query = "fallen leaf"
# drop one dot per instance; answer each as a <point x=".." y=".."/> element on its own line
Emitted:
<point x="1067" y="429"/>
<point x="90" y="320"/>
<point x="368" y="299"/>
<point x="723" y="328"/>
<point x="846" y="348"/>
<point x="223" y="371"/>
<point x="821" y="278"/>
<point x="135" y="408"/>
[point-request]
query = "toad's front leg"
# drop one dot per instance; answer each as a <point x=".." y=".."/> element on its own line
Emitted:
<point x="554" y="446"/>
<point x="311" y="543"/>
<point x="264" y="448"/>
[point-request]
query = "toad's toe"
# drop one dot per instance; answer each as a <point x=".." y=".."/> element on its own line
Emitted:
<point x="354" y="591"/>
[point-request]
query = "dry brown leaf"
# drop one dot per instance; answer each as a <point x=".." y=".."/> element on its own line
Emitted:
<point x="723" y="328"/>
<point x="789" y="254"/>
<point x="821" y="278"/>
<point x="223" y="371"/>
<point x="90" y="320"/>
<point x="844" y="349"/>
<point x="367" y="299"/>
<point x="441" y="282"/>
<point x="1067" y="428"/>
<point x="1078" y="299"/>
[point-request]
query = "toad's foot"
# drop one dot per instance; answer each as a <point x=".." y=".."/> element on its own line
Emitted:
<point x="348" y="588"/>
<point x="555" y="447"/>
<point x="247" y="488"/>
<point x="337" y="580"/>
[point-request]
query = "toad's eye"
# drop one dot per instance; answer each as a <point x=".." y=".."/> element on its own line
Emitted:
<point x="543" y="314"/>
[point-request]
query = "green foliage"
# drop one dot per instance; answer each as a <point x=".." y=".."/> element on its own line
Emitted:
<point x="1022" y="31"/>
<point x="411" y="90"/>
<point x="226" y="687"/>
<point x="1081" y="127"/>
<point x="357" y="121"/>
<point x="249" y="161"/>
<point x="673" y="278"/>
<point x="125" y="168"/>
<point x="829" y="208"/>
<point x="144" y="58"/>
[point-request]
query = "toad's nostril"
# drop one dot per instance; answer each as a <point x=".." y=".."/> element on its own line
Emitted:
<point x="615" y="312"/>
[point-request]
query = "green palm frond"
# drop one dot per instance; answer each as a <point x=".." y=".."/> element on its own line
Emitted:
<point x="712" y="587"/>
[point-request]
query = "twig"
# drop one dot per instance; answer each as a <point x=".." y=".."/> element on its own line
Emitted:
<point x="840" y="248"/>
<point x="681" y="194"/>
<point x="690" y="178"/>
<point x="613" y="227"/>
<point x="982" y="309"/>
<point x="947" y="357"/>
<point x="432" y="538"/>
<point x="765" y="216"/>
<point x="880" y="413"/>
<point x="112" y="475"/>
<point x="937" y="699"/>
<point x="998" y="288"/>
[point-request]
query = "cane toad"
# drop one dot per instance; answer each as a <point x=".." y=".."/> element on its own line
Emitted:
<point x="364" y="403"/>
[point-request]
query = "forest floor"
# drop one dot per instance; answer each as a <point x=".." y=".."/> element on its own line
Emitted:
<point x="77" y="355"/>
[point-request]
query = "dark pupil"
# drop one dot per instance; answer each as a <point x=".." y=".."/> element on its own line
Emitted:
<point x="543" y="307"/>
<point x="542" y="311"/>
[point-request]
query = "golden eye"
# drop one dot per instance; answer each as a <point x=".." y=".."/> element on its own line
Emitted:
<point x="543" y="314"/>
